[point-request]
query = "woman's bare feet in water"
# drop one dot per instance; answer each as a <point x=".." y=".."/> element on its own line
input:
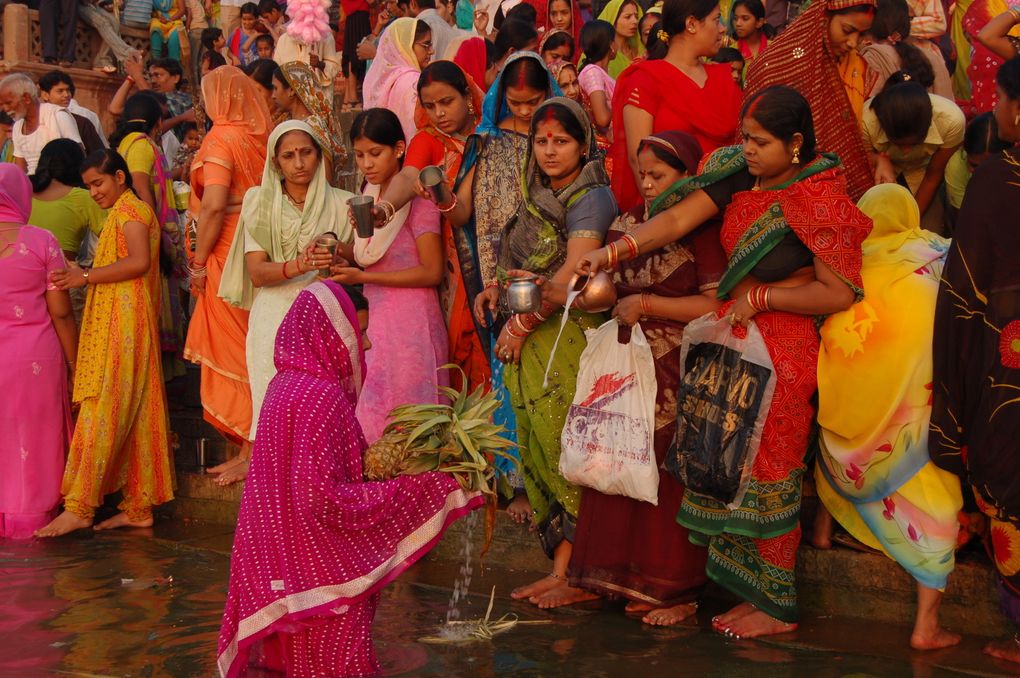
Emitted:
<point x="122" y="520"/>
<point x="536" y="588"/>
<point x="670" y="616"/>
<point x="561" y="596"/>
<point x="936" y="639"/>
<point x="63" y="524"/>
<point x="722" y="622"/>
<point x="755" y="624"/>
<point x="928" y="633"/>
<point x="234" y="474"/>
<point x="519" y="509"/>
<point x="1008" y="650"/>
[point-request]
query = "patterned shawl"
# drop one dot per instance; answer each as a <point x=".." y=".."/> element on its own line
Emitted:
<point x="312" y="537"/>
<point x="319" y="102"/>
<point x="535" y="239"/>
<point x="975" y="420"/>
<point x="800" y="57"/>
<point x="814" y="205"/>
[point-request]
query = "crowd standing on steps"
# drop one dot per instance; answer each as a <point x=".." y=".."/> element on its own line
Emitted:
<point x="803" y="214"/>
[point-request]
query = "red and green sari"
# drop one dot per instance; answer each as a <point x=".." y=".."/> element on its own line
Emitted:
<point x="752" y="549"/>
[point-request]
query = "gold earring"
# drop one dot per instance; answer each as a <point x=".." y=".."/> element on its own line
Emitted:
<point x="796" y="155"/>
<point x="692" y="30"/>
<point x="471" y="108"/>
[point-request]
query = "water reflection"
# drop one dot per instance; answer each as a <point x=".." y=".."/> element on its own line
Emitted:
<point x="120" y="604"/>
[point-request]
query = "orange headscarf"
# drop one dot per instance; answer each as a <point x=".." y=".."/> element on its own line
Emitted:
<point x="800" y="58"/>
<point x="241" y="126"/>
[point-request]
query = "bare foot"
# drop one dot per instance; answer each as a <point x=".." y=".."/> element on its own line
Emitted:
<point x="122" y="520"/>
<point x="519" y="509"/>
<point x="723" y="621"/>
<point x="934" y="640"/>
<point x="536" y="588"/>
<point x="1008" y="650"/>
<point x="225" y="466"/>
<point x="635" y="607"/>
<point x="64" y="523"/>
<point x="561" y="596"/>
<point x="758" y="624"/>
<point x="234" y="474"/>
<point x="668" y="616"/>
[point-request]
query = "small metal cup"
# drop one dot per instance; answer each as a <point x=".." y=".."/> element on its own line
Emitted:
<point x="361" y="208"/>
<point x="523" y="295"/>
<point x="327" y="242"/>
<point x="434" y="180"/>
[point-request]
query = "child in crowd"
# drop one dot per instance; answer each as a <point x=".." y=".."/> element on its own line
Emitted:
<point x="733" y="57"/>
<point x="273" y="18"/>
<point x="598" y="40"/>
<point x="748" y="31"/>
<point x="242" y="42"/>
<point x="911" y="135"/>
<point x="186" y="152"/>
<point x="213" y="40"/>
<point x="6" y="138"/>
<point x="264" y="46"/>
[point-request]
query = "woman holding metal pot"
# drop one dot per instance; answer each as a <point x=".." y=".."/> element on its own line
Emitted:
<point x="565" y="212"/>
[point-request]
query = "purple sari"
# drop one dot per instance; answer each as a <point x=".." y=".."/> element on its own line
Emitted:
<point x="315" y="543"/>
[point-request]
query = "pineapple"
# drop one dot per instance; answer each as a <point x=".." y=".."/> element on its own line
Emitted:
<point x="458" y="438"/>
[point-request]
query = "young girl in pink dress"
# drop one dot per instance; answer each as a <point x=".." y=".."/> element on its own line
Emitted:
<point x="401" y="268"/>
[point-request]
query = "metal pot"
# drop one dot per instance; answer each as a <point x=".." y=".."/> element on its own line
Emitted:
<point x="523" y="295"/>
<point x="597" y="293"/>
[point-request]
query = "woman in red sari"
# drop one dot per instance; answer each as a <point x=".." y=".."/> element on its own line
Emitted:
<point x="625" y="547"/>
<point x="449" y="104"/>
<point x="701" y="98"/>
<point x="817" y="56"/>
<point x="558" y="15"/>
<point x="793" y="237"/>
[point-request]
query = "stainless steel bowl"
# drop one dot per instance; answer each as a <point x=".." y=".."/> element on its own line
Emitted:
<point x="523" y="295"/>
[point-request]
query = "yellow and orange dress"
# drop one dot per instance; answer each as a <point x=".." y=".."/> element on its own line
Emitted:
<point x="122" y="438"/>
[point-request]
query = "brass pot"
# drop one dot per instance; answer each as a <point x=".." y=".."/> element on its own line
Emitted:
<point x="597" y="293"/>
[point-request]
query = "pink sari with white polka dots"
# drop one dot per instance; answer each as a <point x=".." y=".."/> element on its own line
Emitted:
<point x="315" y="543"/>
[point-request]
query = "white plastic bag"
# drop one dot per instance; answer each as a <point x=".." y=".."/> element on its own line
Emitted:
<point x="607" y="441"/>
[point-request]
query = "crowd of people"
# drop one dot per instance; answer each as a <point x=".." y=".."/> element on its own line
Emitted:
<point x="840" y="176"/>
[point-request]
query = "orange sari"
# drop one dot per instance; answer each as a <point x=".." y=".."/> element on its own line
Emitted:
<point x="431" y="146"/>
<point x="233" y="154"/>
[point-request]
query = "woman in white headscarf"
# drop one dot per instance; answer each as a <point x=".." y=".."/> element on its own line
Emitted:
<point x="273" y="257"/>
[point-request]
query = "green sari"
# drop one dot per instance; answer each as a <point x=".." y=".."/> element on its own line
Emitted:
<point x="536" y="240"/>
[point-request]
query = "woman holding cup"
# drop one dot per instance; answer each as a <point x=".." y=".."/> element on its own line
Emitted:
<point x="288" y="225"/>
<point x="449" y="106"/>
<point x="401" y="265"/>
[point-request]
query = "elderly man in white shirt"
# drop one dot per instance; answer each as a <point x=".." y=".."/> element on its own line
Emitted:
<point x="35" y="123"/>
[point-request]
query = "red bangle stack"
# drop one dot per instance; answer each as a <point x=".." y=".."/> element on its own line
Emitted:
<point x="758" y="298"/>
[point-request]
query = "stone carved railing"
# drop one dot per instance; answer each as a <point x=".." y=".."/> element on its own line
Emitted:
<point x="22" y="52"/>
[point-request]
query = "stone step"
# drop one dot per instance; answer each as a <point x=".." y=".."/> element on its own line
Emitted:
<point x="836" y="582"/>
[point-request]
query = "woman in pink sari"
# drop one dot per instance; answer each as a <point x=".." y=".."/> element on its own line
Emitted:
<point x="315" y="544"/>
<point x="392" y="80"/>
<point x="38" y="342"/>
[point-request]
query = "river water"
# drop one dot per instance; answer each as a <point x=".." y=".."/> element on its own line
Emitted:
<point x="117" y="604"/>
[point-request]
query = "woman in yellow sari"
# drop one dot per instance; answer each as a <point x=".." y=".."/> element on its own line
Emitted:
<point x="874" y="474"/>
<point x="122" y="437"/>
